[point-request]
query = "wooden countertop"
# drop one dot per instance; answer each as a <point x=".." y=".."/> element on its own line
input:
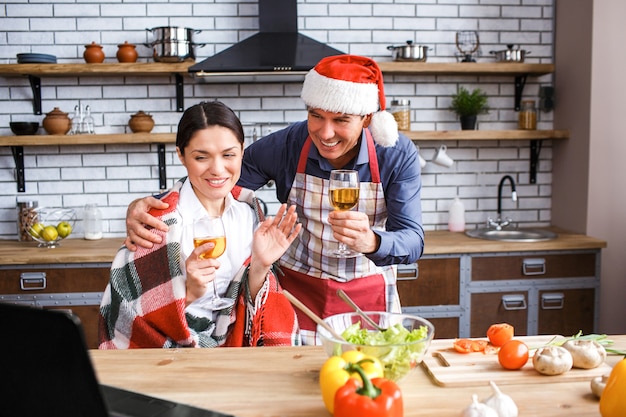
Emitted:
<point x="444" y="242"/>
<point x="437" y="243"/>
<point x="70" y="251"/>
<point x="256" y="382"/>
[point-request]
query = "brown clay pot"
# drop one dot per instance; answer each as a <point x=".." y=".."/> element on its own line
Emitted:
<point x="141" y="122"/>
<point x="93" y="53"/>
<point x="57" y="122"/>
<point x="126" y="52"/>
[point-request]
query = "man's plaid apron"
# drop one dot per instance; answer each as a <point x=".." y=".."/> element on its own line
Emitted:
<point x="313" y="276"/>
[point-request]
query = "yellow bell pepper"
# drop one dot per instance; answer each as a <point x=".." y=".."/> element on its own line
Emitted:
<point x="613" y="400"/>
<point x="334" y="373"/>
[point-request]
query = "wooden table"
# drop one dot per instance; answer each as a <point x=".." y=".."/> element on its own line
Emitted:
<point x="254" y="382"/>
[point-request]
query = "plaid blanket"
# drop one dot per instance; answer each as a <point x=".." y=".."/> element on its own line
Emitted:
<point x="144" y="303"/>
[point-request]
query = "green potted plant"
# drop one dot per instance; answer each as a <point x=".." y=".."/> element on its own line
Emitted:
<point x="468" y="105"/>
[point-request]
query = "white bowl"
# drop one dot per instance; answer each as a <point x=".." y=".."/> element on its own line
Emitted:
<point x="399" y="359"/>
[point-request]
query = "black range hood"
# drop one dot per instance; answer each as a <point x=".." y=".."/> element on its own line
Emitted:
<point x="277" y="51"/>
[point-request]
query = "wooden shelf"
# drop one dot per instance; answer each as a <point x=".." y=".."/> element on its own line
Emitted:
<point x="34" y="72"/>
<point x="178" y="69"/>
<point x="465" y="68"/>
<point x="165" y="138"/>
<point x="107" y="139"/>
<point x="391" y="67"/>
<point x="145" y="68"/>
<point x="17" y="144"/>
<point x="417" y="136"/>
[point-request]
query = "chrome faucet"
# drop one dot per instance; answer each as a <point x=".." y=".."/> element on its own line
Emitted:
<point x="498" y="224"/>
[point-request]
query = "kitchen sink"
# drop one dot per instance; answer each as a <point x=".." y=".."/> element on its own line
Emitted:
<point x="512" y="235"/>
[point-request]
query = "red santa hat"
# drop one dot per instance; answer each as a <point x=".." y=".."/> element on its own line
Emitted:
<point x="351" y="84"/>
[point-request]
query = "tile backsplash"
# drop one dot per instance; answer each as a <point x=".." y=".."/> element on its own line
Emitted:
<point x="113" y="175"/>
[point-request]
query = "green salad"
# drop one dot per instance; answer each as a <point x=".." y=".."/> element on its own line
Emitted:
<point x="392" y="346"/>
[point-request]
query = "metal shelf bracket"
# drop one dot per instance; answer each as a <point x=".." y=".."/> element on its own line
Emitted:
<point x="535" y="149"/>
<point x="162" y="173"/>
<point x="35" y="85"/>
<point x="180" y="94"/>
<point x="18" y="157"/>
<point x="520" y="82"/>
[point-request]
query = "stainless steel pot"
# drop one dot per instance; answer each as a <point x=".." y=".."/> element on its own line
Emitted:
<point x="510" y="54"/>
<point x="172" y="33"/>
<point x="409" y="52"/>
<point x="173" y="51"/>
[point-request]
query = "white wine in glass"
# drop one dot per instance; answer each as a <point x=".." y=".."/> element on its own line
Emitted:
<point x="344" y="195"/>
<point x="211" y="229"/>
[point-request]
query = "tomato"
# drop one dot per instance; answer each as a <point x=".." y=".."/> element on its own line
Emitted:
<point x="513" y="354"/>
<point x="500" y="333"/>
<point x="479" y="345"/>
<point x="469" y="345"/>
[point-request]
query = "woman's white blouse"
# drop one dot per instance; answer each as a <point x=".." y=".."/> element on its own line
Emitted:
<point x="239" y="224"/>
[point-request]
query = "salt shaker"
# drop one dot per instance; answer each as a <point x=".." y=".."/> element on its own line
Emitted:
<point x="92" y="221"/>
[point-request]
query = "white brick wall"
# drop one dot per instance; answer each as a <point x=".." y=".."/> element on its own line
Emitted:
<point x="113" y="175"/>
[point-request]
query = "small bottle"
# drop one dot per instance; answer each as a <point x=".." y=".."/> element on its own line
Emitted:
<point x="528" y="115"/>
<point x="92" y="222"/>
<point x="88" y="121"/>
<point x="456" y="216"/>
<point x="400" y="109"/>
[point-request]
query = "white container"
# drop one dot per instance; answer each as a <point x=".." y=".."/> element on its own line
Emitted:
<point x="92" y="222"/>
<point x="456" y="216"/>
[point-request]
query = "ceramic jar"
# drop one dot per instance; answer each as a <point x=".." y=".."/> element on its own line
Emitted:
<point x="126" y="52"/>
<point x="57" y="122"/>
<point x="93" y="53"/>
<point x="141" y="122"/>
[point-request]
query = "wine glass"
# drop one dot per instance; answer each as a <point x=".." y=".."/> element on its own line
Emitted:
<point x="467" y="42"/>
<point x="344" y="195"/>
<point x="211" y="229"/>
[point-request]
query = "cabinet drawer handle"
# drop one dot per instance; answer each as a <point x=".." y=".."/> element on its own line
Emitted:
<point x="514" y="302"/>
<point x="30" y="281"/>
<point x="407" y="272"/>
<point x="552" y="300"/>
<point x="534" y="266"/>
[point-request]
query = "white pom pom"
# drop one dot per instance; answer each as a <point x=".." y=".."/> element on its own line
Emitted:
<point x="384" y="128"/>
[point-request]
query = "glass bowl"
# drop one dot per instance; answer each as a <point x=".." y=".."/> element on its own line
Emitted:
<point x="50" y="225"/>
<point x="398" y="358"/>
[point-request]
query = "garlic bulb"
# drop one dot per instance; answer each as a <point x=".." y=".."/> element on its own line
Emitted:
<point x="502" y="403"/>
<point x="478" y="409"/>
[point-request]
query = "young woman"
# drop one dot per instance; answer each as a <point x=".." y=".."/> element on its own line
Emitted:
<point x="160" y="297"/>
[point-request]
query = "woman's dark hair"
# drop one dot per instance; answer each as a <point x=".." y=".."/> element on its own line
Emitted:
<point x="203" y="115"/>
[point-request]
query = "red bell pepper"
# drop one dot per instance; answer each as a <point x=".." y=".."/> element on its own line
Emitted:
<point x="378" y="397"/>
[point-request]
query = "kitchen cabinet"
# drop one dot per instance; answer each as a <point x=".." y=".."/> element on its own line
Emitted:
<point x="431" y="288"/>
<point x="75" y="288"/>
<point x="464" y="285"/>
<point x="538" y="293"/>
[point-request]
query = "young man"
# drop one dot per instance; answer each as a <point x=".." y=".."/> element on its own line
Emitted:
<point x="347" y="128"/>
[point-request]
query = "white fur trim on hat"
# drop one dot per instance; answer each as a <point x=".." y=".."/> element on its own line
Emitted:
<point x="384" y="128"/>
<point x="339" y="96"/>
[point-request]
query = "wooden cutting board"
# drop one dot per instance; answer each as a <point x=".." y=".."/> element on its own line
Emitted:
<point x="448" y="368"/>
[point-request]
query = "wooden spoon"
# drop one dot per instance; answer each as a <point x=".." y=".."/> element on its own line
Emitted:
<point x="312" y="315"/>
